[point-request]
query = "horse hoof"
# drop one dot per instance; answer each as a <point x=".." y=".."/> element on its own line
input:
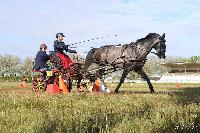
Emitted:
<point x="152" y="91"/>
<point x="116" y="91"/>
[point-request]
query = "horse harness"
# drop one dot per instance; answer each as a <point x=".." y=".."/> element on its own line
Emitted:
<point x="122" y="56"/>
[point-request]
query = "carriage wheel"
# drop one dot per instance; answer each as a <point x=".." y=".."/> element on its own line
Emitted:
<point x="38" y="84"/>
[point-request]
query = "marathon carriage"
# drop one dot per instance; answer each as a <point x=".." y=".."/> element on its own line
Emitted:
<point x="41" y="79"/>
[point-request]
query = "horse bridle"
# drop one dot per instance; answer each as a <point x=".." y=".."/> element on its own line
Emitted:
<point x="160" y="52"/>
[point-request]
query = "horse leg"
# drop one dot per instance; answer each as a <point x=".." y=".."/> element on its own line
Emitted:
<point x="125" y="73"/>
<point x="69" y="84"/>
<point x="102" y="78"/>
<point x="79" y="79"/>
<point x="145" y="77"/>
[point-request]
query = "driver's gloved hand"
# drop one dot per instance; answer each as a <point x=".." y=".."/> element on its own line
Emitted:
<point x="65" y="47"/>
<point x="72" y="51"/>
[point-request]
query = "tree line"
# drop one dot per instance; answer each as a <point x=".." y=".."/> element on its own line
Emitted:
<point x="13" y="67"/>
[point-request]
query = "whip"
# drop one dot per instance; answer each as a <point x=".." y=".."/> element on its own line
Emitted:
<point x="97" y="38"/>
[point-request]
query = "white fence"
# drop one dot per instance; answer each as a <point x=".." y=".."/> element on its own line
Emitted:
<point x="188" y="78"/>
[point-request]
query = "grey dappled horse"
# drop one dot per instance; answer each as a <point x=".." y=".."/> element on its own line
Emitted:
<point x="128" y="56"/>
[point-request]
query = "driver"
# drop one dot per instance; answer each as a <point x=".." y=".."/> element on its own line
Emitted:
<point x="59" y="47"/>
<point x="41" y="59"/>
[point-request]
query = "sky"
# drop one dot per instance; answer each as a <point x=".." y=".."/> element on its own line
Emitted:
<point x="24" y="25"/>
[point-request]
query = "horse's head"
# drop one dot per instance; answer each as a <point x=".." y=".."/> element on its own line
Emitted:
<point x="160" y="46"/>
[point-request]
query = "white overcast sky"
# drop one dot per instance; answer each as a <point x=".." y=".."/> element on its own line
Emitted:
<point x="24" y="24"/>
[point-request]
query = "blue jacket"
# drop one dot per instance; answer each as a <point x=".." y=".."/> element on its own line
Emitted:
<point x="60" y="47"/>
<point x="40" y="60"/>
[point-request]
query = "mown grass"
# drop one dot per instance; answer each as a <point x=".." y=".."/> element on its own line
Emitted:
<point x="134" y="109"/>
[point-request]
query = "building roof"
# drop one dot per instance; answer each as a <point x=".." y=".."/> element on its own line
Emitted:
<point x="180" y="64"/>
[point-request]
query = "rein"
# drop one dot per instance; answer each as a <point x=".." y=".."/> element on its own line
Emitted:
<point x="153" y="45"/>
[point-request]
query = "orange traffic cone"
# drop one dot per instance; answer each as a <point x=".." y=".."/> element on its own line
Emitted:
<point x="96" y="86"/>
<point x="62" y="85"/>
<point x="178" y="85"/>
<point x="23" y="85"/>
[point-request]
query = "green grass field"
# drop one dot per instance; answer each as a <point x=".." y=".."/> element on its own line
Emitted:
<point x="134" y="109"/>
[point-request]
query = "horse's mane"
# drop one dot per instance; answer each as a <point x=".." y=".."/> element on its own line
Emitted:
<point x="107" y="46"/>
<point x="145" y="38"/>
<point x="150" y="35"/>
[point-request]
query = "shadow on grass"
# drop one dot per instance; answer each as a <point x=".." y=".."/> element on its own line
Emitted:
<point x="187" y="95"/>
<point x="142" y="92"/>
<point x="145" y="92"/>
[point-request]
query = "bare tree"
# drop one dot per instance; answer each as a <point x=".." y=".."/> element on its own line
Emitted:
<point x="9" y="65"/>
<point x="27" y="66"/>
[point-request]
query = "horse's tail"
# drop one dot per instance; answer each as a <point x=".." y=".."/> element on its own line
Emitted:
<point x="89" y="59"/>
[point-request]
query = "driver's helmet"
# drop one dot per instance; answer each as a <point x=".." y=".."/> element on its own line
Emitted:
<point x="43" y="46"/>
<point x="60" y="34"/>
